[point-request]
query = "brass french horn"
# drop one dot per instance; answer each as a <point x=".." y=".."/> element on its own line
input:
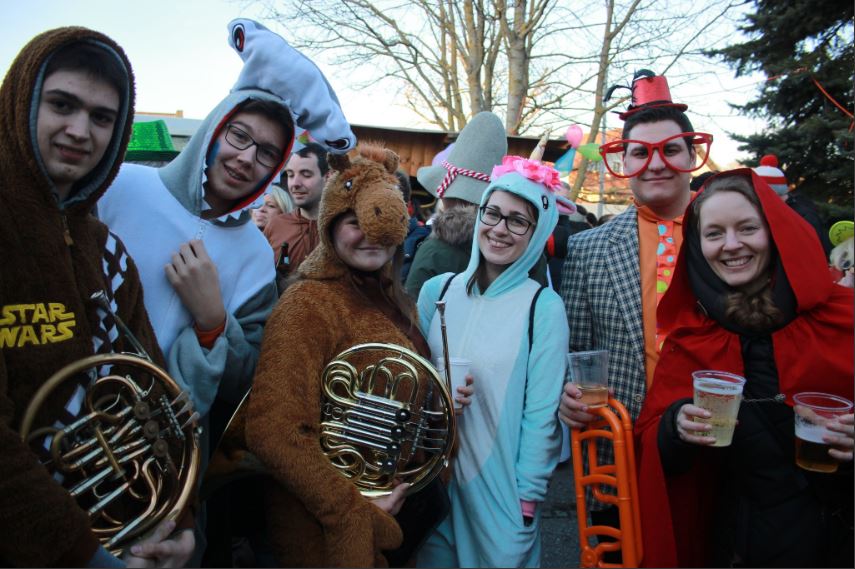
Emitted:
<point x="385" y="415"/>
<point x="131" y="459"/>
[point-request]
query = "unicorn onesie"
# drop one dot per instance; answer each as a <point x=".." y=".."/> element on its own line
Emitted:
<point x="509" y="437"/>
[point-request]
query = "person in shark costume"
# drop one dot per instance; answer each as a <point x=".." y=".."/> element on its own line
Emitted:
<point x="509" y="438"/>
<point x="207" y="271"/>
<point x="192" y="216"/>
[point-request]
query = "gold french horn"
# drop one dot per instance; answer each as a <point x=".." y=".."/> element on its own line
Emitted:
<point x="131" y="458"/>
<point x="385" y="415"/>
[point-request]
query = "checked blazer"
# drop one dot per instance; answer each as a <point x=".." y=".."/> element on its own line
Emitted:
<point x="601" y="289"/>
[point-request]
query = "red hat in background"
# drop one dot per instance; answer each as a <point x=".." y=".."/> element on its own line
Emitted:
<point x="648" y="91"/>
<point x="772" y="175"/>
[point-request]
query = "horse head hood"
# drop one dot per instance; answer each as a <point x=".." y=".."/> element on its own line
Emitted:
<point x="367" y="186"/>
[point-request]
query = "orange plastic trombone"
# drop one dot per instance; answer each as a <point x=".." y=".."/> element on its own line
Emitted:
<point x="615" y="427"/>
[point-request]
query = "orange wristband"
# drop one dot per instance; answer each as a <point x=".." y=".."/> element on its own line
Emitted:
<point x="208" y="337"/>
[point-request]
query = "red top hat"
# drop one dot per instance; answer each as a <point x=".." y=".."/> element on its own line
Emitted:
<point x="648" y="91"/>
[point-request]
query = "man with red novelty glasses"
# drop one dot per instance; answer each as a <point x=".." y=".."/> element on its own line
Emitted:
<point x="614" y="275"/>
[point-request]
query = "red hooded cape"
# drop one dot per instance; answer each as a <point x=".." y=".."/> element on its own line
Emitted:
<point x="814" y="352"/>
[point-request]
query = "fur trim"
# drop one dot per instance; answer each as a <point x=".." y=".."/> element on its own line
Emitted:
<point x="455" y="226"/>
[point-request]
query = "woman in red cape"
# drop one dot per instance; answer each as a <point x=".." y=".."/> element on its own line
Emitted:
<point x="748" y="504"/>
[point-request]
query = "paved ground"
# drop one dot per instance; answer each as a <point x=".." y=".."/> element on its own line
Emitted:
<point x="560" y="533"/>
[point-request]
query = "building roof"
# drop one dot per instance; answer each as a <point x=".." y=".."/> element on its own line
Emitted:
<point x="178" y="126"/>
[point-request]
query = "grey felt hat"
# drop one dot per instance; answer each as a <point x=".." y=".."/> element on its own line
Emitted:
<point x="480" y="145"/>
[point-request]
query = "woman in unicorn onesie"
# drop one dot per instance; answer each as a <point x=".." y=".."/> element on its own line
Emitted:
<point x="515" y="334"/>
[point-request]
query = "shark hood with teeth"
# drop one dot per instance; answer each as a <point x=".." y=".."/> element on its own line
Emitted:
<point x="185" y="177"/>
<point x="272" y="71"/>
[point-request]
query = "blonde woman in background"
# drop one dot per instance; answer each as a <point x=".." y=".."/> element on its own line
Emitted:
<point x="276" y="202"/>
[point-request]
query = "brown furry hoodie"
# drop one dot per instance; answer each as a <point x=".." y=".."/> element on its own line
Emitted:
<point x="316" y="516"/>
<point x="50" y="263"/>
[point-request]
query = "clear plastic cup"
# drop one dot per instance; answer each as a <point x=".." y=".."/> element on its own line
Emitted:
<point x="813" y="411"/>
<point x="720" y="393"/>
<point x="590" y="372"/>
<point x="459" y="370"/>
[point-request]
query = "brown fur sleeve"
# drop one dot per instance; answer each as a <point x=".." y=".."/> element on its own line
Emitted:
<point x="283" y="424"/>
<point x="40" y="523"/>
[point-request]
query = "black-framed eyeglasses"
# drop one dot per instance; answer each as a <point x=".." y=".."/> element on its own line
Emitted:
<point x="266" y="154"/>
<point x="516" y="224"/>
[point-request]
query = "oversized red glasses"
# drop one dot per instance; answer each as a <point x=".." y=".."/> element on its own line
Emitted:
<point x="629" y="158"/>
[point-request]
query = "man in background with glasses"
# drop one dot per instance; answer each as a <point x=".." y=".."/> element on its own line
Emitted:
<point x="615" y="275"/>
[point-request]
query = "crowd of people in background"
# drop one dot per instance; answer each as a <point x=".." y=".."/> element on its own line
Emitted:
<point x="251" y="260"/>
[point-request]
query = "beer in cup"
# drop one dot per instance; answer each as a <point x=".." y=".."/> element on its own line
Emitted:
<point x="459" y="370"/>
<point x="720" y="393"/>
<point x="590" y="372"/>
<point x="813" y="411"/>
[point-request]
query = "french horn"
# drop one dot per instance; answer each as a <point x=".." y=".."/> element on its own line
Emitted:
<point x="386" y="415"/>
<point x="131" y="458"/>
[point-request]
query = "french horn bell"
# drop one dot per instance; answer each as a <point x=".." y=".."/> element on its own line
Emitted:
<point x="131" y="458"/>
<point x="386" y="415"/>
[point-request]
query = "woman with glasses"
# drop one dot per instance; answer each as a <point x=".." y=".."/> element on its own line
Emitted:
<point x="514" y="332"/>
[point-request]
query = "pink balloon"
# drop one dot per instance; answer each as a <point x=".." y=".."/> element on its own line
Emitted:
<point x="573" y="135"/>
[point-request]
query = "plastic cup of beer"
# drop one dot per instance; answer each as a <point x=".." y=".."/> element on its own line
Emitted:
<point x="813" y="411"/>
<point x="459" y="371"/>
<point x="590" y="372"/>
<point x="720" y="393"/>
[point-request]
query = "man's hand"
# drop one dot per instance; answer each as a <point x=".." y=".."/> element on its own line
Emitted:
<point x="158" y="551"/>
<point x="194" y="277"/>
<point x="571" y="410"/>
<point x="842" y="443"/>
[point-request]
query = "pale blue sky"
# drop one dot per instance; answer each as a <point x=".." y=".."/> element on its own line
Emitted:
<point x="182" y="60"/>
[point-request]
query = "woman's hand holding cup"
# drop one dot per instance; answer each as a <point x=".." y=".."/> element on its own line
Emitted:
<point x="464" y="395"/>
<point x="691" y="431"/>
<point x="843" y="439"/>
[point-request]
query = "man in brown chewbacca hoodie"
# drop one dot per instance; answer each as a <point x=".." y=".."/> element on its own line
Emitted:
<point x="66" y="111"/>
<point x="317" y="517"/>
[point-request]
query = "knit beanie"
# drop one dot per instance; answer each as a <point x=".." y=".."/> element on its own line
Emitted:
<point x="772" y="175"/>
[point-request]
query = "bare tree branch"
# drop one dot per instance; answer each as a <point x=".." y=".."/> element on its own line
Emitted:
<point x="537" y="62"/>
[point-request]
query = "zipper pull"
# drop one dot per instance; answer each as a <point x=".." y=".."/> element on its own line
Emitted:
<point x="66" y="233"/>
